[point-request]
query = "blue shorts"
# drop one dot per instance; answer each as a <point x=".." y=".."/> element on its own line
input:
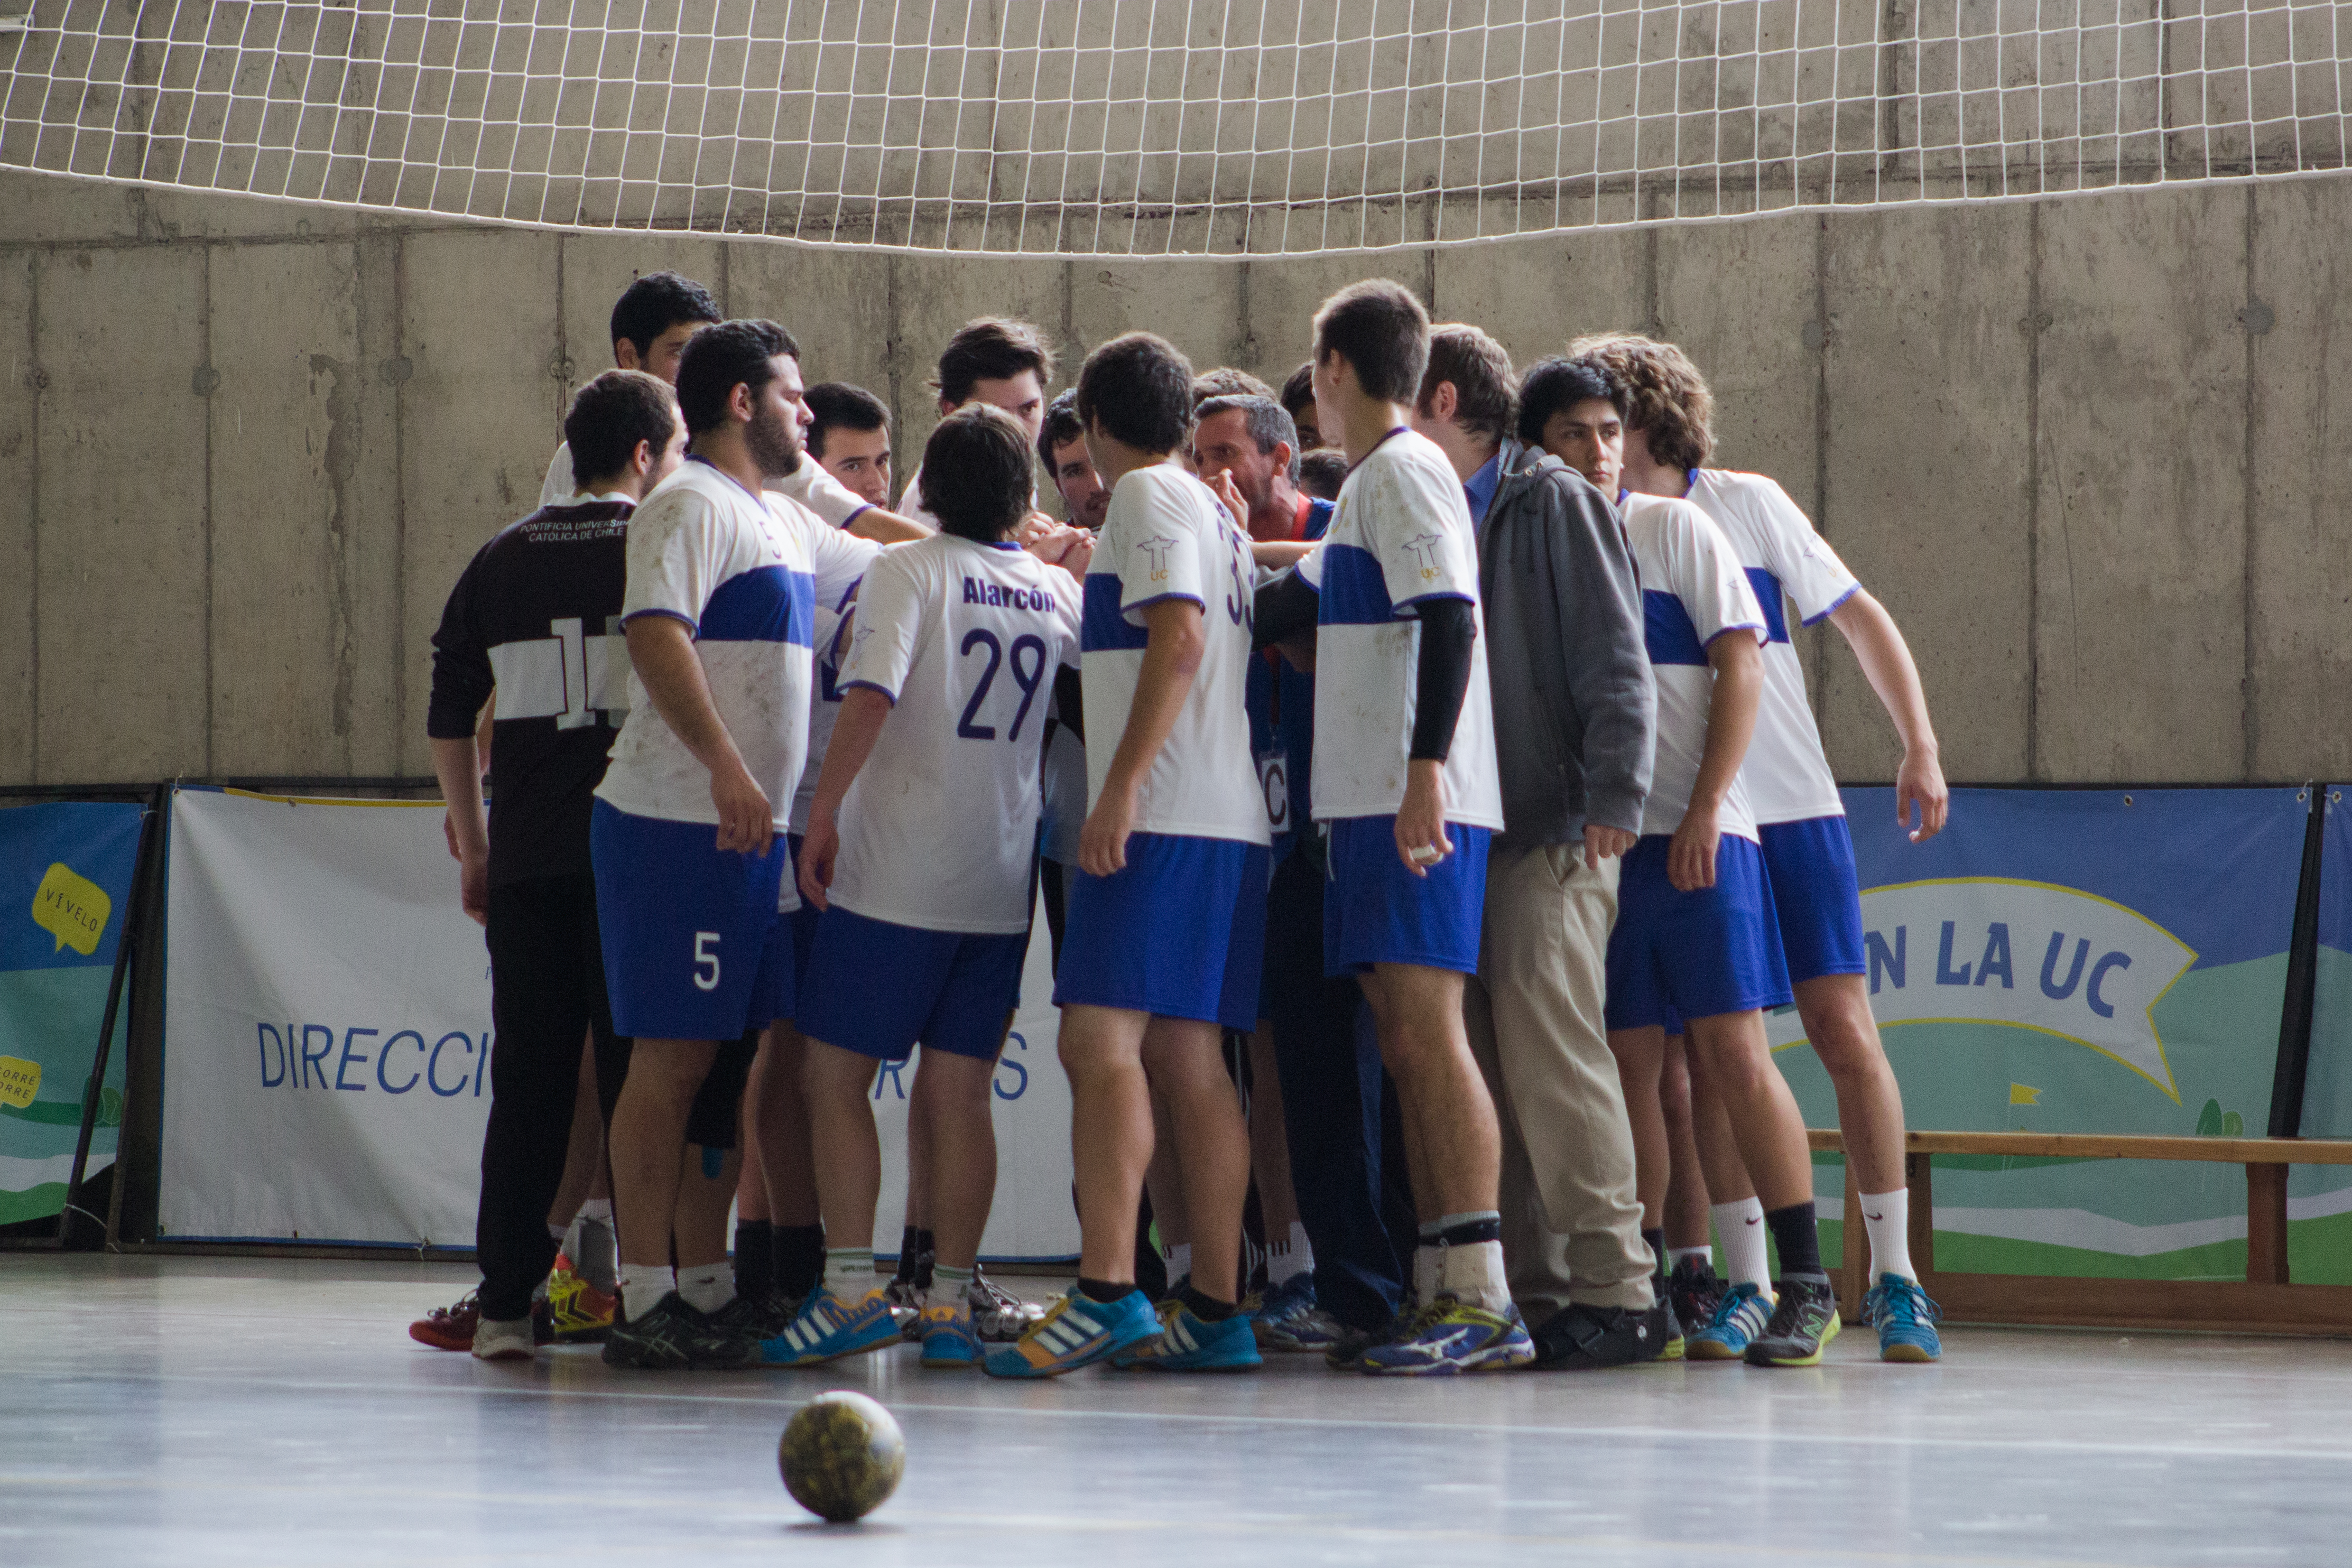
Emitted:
<point x="880" y="989"/>
<point x="802" y="921"/>
<point x="1677" y="956"/>
<point x="1179" y="934"/>
<point x="694" y="948"/>
<point x="1377" y="912"/>
<point x="1816" y="896"/>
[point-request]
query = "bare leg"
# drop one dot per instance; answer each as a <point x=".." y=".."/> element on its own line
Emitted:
<point x="964" y="1165"/>
<point x="583" y="1158"/>
<point x="1687" y="1193"/>
<point x="1837" y="1018"/>
<point x="1725" y="1172"/>
<point x="1735" y="1063"/>
<point x="700" y="1226"/>
<point x="922" y="1145"/>
<point x="848" y="1150"/>
<point x="1269" y="1144"/>
<point x="1450" y="1117"/>
<point x="1640" y="1055"/>
<point x="1110" y="1133"/>
<point x="1184" y="1060"/>
<point x="776" y="1104"/>
<point x="1163" y="1178"/>
<point x="649" y="1132"/>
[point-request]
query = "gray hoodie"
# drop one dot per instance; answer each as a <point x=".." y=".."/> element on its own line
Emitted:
<point x="1576" y="711"/>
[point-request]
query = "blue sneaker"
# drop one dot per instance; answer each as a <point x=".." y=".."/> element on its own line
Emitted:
<point x="1289" y="1319"/>
<point x="1906" y="1317"/>
<point x="1739" y="1318"/>
<point x="830" y="1328"/>
<point x="944" y="1331"/>
<point x="1453" y="1336"/>
<point x="1076" y="1331"/>
<point x="1187" y="1343"/>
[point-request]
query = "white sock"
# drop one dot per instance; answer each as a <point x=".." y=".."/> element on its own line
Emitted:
<point x="599" y="1210"/>
<point x="1674" y="1255"/>
<point x="1473" y="1274"/>
<point x="1178" y="1260"/>
<point x="949" y="1287"/>
<point x="1886" y="1216"/>
<point x="642" y="1285"/>
<point x="1739" y="1230"/>
<point x="849" y="1271"/>
<point x="708" y="1287"/>
<point x="1424" y="1272"/>
<point x="1292" y="1256"/>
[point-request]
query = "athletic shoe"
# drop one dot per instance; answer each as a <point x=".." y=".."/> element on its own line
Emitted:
<point x="674" y="1337"/>
<point x="496" y="1341"/>
<point x="1347" y="1352"/>
<point x="1190" y="1343"/>
<point x="1694" y="1290"/>
<point x="998" y="1316"/>
<point x="1077" y="1331"/>
<point x="1581" y="1338"/>
<point x="1802" y="1325"/>
<point x="831" y="1327"/>
<point x="1675" y="1344"/>
<point x="1290" y="1320"/>
<point x="758" y="1317"/>
<point x="948" y="1340"/>
<point x="452" y="1327"/>
<point x="1906" y="1317"/>
<point x="1739" y="1318"/>
<point x="577" y="1313"/>
<point x="1454" y="1336"/>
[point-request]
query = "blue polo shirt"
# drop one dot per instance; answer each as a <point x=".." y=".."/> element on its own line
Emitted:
<point x="1281" y="702"/>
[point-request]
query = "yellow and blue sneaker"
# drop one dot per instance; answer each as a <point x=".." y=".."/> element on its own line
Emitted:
<point x="1453" y="1336"/>
<point x="830" y="1327"/>
<point x="1804" y="1320"/>
<point x="1076" y="1331"/>
<point x="1190" y="1343"/>
<point x="944" y="1331"/>
<point x="1739" y="1318"/>
<point x="1904" y="1316"/>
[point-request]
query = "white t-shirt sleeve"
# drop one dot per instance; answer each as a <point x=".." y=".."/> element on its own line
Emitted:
<point x="1816" y="581"/>
<point x="1709" y="579"/>
<point x="1420" y="559"/>
<point x="677" y="558"/>
<point x="560" y="484"/>
<point x="838" y="560"/>
<point x="834" y="502"/>
<point x="1157" y="553"/>
<point x="887" y="628"/>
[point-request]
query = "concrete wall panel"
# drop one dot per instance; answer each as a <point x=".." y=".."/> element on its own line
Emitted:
<point x="123" y="666"/>
<point x="1536" y="294"/>
<point x="1741" y="300"/>
<point x="934" y="296"/>
<point x="1197" y="306"/>
<point x="2300" y="568"/>
<point x="2142" y="505"/>
<point x="836" y="305"/>
<point x="19" y="554"/>
<point x="1928" y="477"/>
<point x="596" y="269"/>
<point x="1285" y="294"/>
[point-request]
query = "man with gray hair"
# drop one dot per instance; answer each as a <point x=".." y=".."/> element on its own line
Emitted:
<point x="1575" y="711"/>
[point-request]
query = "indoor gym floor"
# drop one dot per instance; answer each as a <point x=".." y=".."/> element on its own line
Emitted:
<point x="227" y="1411"/>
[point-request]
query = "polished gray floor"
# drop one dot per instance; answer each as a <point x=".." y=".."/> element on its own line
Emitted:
<point x="205" y="1411"/>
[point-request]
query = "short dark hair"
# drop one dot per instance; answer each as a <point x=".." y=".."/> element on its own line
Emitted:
<point x="1138" y="387"/>
<point x="991" y="349"/>
<point x="1269" y="425"/>
<point x="1299" y="392"/>
<point x="1555" y="383"/>
<point x="1480" y="370"/>
<point x="1227" y="382"/>
<point x="976" y="475"/>
<point x="656" y="302"/>
<point x="610" y="414"/>
<point x="1061" y="427"/>
<point x="1663" y="396"/>
<point x="838" y="405"/>
<point x="1322" y="471"/>
<point x="1381" y="329"/>
<point x="719" y="358"/>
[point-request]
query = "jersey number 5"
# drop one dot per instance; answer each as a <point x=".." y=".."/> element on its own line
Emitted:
<point x="706" y="962"/>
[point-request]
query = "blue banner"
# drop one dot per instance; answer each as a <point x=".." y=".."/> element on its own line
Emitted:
<point x="2328" y="1086"/>
<point x="65" y="887"/>
<point x="2078" y="961"/>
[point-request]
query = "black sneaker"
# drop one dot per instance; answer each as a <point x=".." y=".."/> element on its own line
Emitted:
<point x="758" y="1317"/>
<point x="1580" y="1338"/>
<point x="1804" y="1321"/>
<point x="1346" y="1352"/>
<point x="1694" y="1290"/>
<point x="674" y="1337"/>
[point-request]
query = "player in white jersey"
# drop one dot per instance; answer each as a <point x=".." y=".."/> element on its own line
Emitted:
<point x="718" y="613"/>
<point x="1166" y="913"/>
<point x="1406" y="786"/>
<point x="918" y="848"/>
<point x="1808" y="850"/>
<point x="1696" y="946"/>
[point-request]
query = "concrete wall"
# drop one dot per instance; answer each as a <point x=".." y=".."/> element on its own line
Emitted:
<point x="2084" y="449"/>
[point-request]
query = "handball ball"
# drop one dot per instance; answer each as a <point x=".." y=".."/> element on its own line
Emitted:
<point x="842" y="1455"/>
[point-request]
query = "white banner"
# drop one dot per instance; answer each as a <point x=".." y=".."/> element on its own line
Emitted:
<point x="327" y="1042"/>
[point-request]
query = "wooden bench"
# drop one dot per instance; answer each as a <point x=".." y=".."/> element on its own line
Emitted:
<point x="2265" y="1301"/>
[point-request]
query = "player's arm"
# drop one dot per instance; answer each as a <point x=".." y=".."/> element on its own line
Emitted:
<point x="1276" y="555"/>
<point x="458" y="717"/>
<point x="1739" y="665"/>
<point x="887" y="527"/>
<point x="1886" y="659"/>
<point x="1284" y="614"/>
<point x="458" y="763"/>
<point x="864" y="709"/>
<point x="1441" y="681"/>
<point x="1176" y="640"/>
<point x="661" y="651"/>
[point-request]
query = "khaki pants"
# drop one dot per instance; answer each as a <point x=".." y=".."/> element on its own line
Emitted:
<point x="1571" y="1223"/>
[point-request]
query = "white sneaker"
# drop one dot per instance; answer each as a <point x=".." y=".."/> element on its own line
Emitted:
<point x="495" y="1341"/>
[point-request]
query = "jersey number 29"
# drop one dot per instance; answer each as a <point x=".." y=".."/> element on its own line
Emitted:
<point x="1028" y="678"/>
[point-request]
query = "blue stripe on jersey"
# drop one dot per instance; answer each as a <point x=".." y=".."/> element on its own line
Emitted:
<point x="1103" y="628"/>
<point x="1768" y="594"/>
<point x="1355" y="591"/>
<point x="765" y="604"/>
<point x="1668" y="631"/>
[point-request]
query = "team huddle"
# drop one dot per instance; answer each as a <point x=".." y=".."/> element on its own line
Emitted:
<point x="1413" y="765"/>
